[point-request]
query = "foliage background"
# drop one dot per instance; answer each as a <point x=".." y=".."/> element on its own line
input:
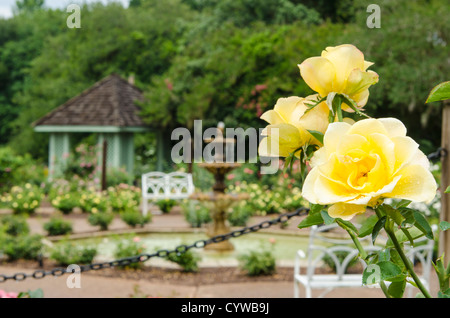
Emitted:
<point x="216" y="60"/>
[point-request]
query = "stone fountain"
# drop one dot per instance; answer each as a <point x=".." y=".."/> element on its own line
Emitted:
<point x="218" y="201"/>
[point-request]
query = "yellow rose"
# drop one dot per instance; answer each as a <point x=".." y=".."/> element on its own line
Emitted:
<point x="363" y="163"/>
<point x="340" y="69"/>
<point x="289" y="125"/>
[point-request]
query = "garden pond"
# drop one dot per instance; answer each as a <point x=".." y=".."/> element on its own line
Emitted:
<point x="282" y="246"/>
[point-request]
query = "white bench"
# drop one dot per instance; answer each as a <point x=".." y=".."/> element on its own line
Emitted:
<point x="158" y="186"/>
<point x="322" y="245"/>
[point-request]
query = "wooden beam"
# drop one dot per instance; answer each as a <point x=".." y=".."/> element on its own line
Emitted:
<point x="444" y="239"/>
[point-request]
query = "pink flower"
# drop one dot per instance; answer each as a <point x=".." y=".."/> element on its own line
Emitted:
<point x="260" y="87"/>
<point x="272" y="240"/>
<point x="230" y="176"/>
<point x="4" y="294"/>
<point x="168" y="84"/>
<point x="248" y="171"/>
<point x="136" y="239"/>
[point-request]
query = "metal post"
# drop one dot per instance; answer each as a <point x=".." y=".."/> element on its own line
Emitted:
<point x="105" y="146"/>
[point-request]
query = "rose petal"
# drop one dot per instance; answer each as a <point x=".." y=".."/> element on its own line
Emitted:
<point x="394" y="127"/>
<point x="345" y="211"/>
<point x="345" y="59"/>
<point x="334" y="134"/>
<point x="359" y="81"/>
<point x="272" y="117"/>
<point x="286" y="106"/>
<point x="319" y="74"/>
<point x="416" y="184"/>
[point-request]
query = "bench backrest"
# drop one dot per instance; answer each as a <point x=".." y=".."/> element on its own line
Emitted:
<point x="330" y="242"/>
<point x="174" y="185"/>
<point x="323" y="244"/>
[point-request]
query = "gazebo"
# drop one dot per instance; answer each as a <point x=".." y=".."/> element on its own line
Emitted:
<point x="108" y="109"/>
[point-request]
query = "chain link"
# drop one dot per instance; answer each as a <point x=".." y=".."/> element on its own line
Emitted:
<point x="56" y="272"/>
<point x="438" y="154"/>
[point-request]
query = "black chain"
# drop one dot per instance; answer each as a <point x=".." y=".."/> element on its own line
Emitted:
<point x="160" y="253"/>
<point x="438" y="154"/>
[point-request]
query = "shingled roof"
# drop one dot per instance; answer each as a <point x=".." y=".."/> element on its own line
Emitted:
<point x="109" y="102"/>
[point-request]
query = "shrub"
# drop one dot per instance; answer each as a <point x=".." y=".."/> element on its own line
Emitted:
<point x="102" y="219"/>
<point x="124" y="197"/>
<point x="165" y="205"/>
<point x="92" y="201"/>
<point x="187" y="260"/>
<point x="65" y="203"/>
<point x="257" y="263"/>
<point x="117" y="176"/>
<point x="70" y="253"/>
<point x="17" y="170"/>
<point x="82" y="162"/>
<point x="196" y="214"/>
<point x="127" y="248"/>
<point x="240" y="214"/>
<point x="340" y="255"/>
<point x="58" y="226"/>
<point x="22" y="246"/>
<point x="134" y="217"/>
<point x="24" y="199"/>
<point x="15" y="225"/>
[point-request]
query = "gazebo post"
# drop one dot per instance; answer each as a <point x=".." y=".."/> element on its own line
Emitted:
<point x="59" y="146"/>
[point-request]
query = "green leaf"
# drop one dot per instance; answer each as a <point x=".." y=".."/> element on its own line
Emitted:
<point x="396" y="289"/>
<point x="377" y="228"/>
<point x="389" y="270"/>
<point x="422" y="224"/>
<point x="414" y="233"/>
<point x="447" y="190"/>
<point x="347" y="225"/>
<point x="38" y="293"/>
<point x="442" y="295"/>
<point x="310" y="220"/>
<point x="317" y="134"/>
<point x="395" y="258"/>
<point x="444" y="226"/>
<point x="337" y="107"/>
<point x="315" y="208"/>
<point x="352" y="104"/>
<point x="367" y="226"/>
<point x="326" y="217"/>
<point x="405" y="231"/>
<point x="403" y="204"/>
<point x="384" y="270"/>
<point x="384" y="255"/>
<point x="392" y="213"/>
<point x="439" y="92"/>
<point x="408" y="214"/>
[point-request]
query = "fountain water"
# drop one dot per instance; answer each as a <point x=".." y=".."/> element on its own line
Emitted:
<point x="218" y="201"/>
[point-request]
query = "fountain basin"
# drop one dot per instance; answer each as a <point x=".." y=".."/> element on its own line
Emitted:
<point x="283" y="247"/>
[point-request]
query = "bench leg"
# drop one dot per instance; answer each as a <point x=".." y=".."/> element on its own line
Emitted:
<point x="145" y="207"/>
<point x="296" y="291"/>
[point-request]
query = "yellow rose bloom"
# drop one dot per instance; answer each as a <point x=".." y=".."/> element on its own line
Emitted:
<point x="340" y="69"/>
<point x="363" y="163"/>
<point x="289" y="125"/>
